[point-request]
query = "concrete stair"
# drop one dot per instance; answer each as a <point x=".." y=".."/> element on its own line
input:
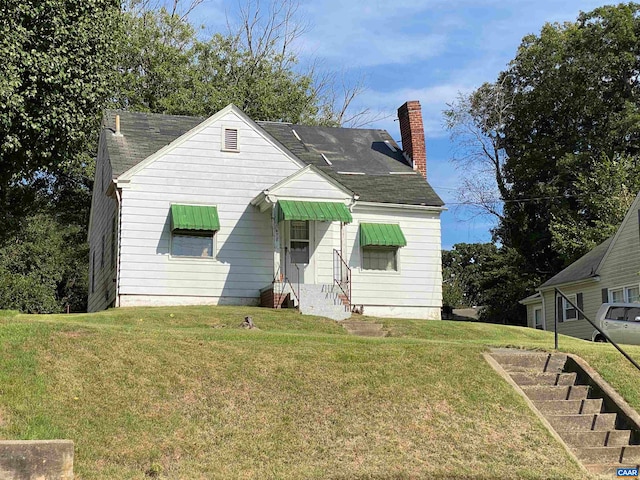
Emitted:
<point x="572" y="410"/>
<point x="323" y="300"/>
<point x="364" y="329"/>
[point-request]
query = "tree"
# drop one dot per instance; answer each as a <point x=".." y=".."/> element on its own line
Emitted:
<point x="166" y="66"/>
<point x="53" y="82"/>
<point x="575" y="103"/>
<point x="476" y="124"/>
<point x="39" y="273"/>
<point x="557" y="136"/>
<point x="504" y="281"/>
<point x="463" y="268"/>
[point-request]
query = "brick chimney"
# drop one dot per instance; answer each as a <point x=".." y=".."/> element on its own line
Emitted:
<point x="412" y="133"/>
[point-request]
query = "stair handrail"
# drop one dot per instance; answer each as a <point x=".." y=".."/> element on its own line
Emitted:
<point x="340" y="267"/>
<point x="287" y="255"/>
<point x="558" y="292"/>
<point x="283" y="279"/>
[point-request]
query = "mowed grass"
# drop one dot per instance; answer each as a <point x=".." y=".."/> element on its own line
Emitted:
<point x="184" y="393"/>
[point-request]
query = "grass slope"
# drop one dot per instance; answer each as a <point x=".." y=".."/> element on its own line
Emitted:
<point x="183" y="393"/>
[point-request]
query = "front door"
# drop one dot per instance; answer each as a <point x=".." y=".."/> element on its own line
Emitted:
<point x="300" y="248"/>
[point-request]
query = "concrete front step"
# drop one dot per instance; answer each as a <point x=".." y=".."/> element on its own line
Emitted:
<point x="598" y="422"/>
<point x="543" y="378"/>
<point x="609" y="469"/>
<point x="546" y="392"/>
<point x="592" y="455"/>
<point x="542" y="362"/>
<point x="569" y="407"/>
<point x="610" y="438"/>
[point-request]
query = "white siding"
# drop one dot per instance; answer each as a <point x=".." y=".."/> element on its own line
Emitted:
<point x="327" y="239"/>
<point x="103" y="211"/>
<point x="198" y="172"/>
<point x="310" y="184"/>
<point x="417" y="285"/>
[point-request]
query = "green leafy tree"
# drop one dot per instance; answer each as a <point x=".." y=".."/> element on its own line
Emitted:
<point x="53" y="83"/>
<point x="504" y="281"/>
<point x="553" y="145"/>
<point x="39" y="273"/>
<point x="575" y="104"/>
<point x="463" y="269"/>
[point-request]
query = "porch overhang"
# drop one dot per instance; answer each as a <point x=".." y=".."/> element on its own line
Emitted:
<point x="311" y="210"/>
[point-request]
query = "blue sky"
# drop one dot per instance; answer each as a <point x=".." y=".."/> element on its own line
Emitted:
<point x="426" y="50"/>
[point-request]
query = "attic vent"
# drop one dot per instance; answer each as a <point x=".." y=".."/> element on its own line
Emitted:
<point x="231" y="139"/>
<point x="391" y="147"/>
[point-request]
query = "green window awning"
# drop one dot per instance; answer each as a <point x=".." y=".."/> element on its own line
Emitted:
<point x="194" y="217"/>
<point x="381" y="234"/>
<point x="322" y="211"/>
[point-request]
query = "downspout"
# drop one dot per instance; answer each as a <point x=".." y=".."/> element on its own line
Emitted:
<point x="118" y="236"/>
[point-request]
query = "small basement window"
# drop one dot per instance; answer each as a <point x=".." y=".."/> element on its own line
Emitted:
<point x="230" y="139"/>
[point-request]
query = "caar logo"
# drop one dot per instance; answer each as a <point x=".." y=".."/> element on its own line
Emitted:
<point x="627" y="472"/>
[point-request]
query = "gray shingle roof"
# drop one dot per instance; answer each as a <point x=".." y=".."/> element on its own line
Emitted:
<point x="583" y="268"/>
<point x="357" y="151"/>
<point x="143" y="134"/>
<point x="361" y="159"/>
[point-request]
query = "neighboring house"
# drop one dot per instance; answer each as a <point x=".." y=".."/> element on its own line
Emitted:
<point x="227" y="210"/>
<point x="608" y="273"/>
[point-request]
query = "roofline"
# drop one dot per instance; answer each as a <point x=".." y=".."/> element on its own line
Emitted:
<point x="126" y="176"/>
<point x="404" y="206"/>
<point x="593" y="278"/>
<point x="316" y="170"/>
<point x="531" y="299"/>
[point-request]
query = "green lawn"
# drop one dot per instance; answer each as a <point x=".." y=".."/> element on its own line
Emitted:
<point x="183" y="393"/>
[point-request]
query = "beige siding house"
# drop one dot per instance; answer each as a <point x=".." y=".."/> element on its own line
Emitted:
<point x="227" y="210"/>
<point x="608" y="273"/>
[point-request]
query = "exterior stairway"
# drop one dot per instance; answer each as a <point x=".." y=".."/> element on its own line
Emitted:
<point x="598" y="438"/>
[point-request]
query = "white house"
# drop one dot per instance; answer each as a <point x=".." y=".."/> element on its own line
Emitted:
<point x="227" y="210"/>
<point x="608" y="273"/>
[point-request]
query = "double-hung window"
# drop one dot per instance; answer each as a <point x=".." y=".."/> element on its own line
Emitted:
<point x="568" y="311"/>
<point x="380" y="243"/>
<point x="566" y="308"/>
<point x="193" y="229"/>
<point x="626" y="294"/>
<point x="300" y="241"/>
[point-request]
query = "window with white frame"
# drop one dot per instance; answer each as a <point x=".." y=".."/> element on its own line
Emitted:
<point x="380" y="258"/>
<point x="193" y="230"/>
<point x="299" y="241"/>
<point x="185" y="243"/>
<point x="568" y="311"/>
<point x="626" y="294"/>
<point x="537" y="318"/>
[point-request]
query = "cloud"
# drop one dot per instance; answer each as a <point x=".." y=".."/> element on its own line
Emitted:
<point x="433" y="100"/>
